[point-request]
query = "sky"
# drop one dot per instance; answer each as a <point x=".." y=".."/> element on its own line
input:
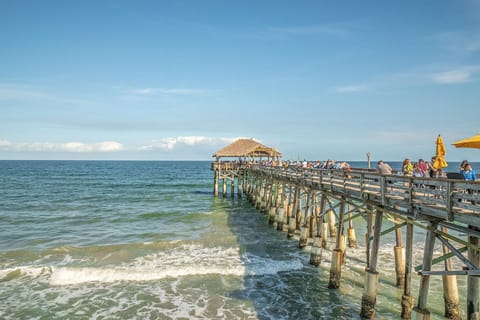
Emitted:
<point x="178" y="80"/>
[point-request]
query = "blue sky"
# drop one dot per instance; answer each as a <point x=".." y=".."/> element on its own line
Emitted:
<point x="176" y="79"/>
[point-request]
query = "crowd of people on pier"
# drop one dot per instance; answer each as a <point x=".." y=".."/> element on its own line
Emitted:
<point x="317" y="164"/>
<point x="418" y="169"/>
<point x="422" y="168"/>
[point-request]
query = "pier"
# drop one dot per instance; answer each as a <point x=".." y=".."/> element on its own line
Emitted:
<point x="314" y="205"/>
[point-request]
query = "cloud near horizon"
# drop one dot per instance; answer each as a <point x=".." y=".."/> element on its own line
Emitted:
<point x="81" y="147"/>
<point x="170" y="143"/>
<point x="162" y="144"/>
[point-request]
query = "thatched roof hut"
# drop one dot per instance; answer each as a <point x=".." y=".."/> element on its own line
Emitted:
<point x="247" y="148"/>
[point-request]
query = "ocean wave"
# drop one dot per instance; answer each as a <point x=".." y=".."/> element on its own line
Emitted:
<point x="10" y="274"/>
<point x="186" y="260"/>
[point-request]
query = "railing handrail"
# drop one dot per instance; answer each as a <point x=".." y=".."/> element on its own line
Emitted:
<point x="448" y="199"/>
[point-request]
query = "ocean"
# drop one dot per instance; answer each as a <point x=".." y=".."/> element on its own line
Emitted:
<point x="147" y="240"/>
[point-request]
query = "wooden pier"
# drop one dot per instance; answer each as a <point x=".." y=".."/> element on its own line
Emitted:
<point x="315" y="205"/>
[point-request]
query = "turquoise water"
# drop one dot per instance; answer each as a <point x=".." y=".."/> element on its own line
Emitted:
<point x="147" y="240"/>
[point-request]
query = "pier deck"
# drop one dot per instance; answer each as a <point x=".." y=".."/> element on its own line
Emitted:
<point x="313" y="204"/>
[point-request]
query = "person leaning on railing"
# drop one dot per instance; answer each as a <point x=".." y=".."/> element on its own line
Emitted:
<point x="469" y="175"/>
<point x="468" y="172"/>
<point x="384" y="168"/>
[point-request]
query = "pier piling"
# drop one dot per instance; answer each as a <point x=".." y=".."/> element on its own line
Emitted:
<point x="369" y="296"/>
<point x="407" y="298"/>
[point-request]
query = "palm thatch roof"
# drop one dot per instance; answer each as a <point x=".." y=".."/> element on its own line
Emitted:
<point x="247" y="148"/>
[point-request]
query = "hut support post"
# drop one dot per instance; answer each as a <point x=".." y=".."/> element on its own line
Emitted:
<point x="421" y="308"/>
<point x="224" y="189"/>
<point x="369" y="297"/>
<point x="215" y="184"/>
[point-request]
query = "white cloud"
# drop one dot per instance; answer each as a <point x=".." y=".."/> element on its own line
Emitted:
<point x="352" y="88"/>
<point x="167" y="91"/>
<point x="105" y="146"/>
<point x="453" y="76"/>
<point x="5" y="144"/>
<point x="170" y="143"/>
<point x="461" y="74"/>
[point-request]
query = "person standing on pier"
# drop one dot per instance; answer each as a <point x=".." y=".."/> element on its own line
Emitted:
<point x="384" y="168"/>
<point x="468" y="172"/>
<point x="407" y="167"/>
<point x="469" y="175"/>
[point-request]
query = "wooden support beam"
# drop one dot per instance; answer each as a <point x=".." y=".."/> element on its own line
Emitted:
<point x="395" y="227"/>
<point x="450" y="290"/>
<point x="421" y="308"/>
<point x="441" y="259"/>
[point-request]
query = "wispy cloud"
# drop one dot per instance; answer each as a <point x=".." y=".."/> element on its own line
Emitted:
<point x="171" y="143"/>
<point x="463" y="42"/>
<point x="458" y="75"/>
<point x="168" y="91"/>
<point x="352" y="88"/>
<point x="336" y="31"/>
<point x="18" y="92"/>
<point x="104" y="146"/>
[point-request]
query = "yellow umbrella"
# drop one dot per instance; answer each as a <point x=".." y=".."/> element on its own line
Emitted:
<point x="440" y="155"/>
<point x="472" y="142"/>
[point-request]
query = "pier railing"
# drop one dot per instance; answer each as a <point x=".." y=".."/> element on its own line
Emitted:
<point x="444" y="199"/>
<point x="226" y="165"/>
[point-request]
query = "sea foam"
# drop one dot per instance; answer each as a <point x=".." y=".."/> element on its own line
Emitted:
<point x="186" y="260"/>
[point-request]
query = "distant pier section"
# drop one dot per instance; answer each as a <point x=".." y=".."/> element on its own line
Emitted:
<point x="316" y="206"/>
